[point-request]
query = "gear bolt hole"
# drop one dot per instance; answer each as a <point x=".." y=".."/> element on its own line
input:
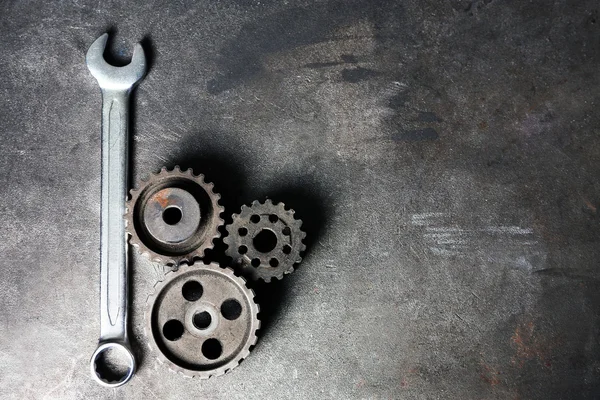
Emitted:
<point x="273" y="218"/>
<point x="286" y="231"/>
<point x="212" y="349"/>
<point x="243" y="231"/>
<point x="255" y="219"/>
<point x="192" y="290"/>
<point x="255" y="262"/>
<point x="265" y="241"/>
<point x="242" y="249"/>
<point x="287" y="249"/>
<point x="202" y="320"/>
<point x="172" y="215"/>
<point x="231" y="309"/>
<point x="173" y="330"/>
<point x="273" y="262"/>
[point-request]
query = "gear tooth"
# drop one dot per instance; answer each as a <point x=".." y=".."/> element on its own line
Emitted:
<point x="244" y="209"/>
<point x="190" y="172"/>
<point x="268" y="201"/>
<point x="254" y="339"/>
<point x="244" y="354"/>
<point x="177" y="168"/>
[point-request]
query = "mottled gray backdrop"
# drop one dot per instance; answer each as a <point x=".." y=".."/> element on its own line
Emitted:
<point x="444" y="156"/>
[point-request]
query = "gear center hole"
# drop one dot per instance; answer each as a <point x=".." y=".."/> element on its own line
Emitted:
<point x="202" y="320"/>
<point x="265" y="241"/>
<point x="172" y="215"/>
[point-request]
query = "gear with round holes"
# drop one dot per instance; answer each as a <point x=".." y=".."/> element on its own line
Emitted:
<point x="202" y="320"/>
<point x="173" y="216"/>
<point x="265" y="240"/>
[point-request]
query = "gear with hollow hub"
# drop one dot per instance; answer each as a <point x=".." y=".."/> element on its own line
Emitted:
<point x="202" y="320"/>
<point x="265" y="240"/>
<point x="173" y="216"/>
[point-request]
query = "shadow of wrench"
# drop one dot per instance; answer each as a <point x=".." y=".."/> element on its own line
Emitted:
<point x="113" y="363"/>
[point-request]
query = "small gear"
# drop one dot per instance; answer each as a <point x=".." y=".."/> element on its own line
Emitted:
<point x="174" y="216"/>
<point x="202" y="320"/>
<point x="265" y="240"/>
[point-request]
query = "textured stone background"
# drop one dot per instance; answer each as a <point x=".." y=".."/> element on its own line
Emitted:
<point x="444" y="156"/>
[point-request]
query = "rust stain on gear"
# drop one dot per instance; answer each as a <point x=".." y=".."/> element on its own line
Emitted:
<point x="265" y="240"/>
<point x="173" y="216"/>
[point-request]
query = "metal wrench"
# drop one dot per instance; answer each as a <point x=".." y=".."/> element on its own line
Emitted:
<point x="116" y="84"/>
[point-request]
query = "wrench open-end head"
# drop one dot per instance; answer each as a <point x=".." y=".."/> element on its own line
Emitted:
<point x="111" y="77"/>
<point x="113" y="363"/>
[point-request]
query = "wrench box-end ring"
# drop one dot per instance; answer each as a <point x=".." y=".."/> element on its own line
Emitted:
<point x="112" y="364"/>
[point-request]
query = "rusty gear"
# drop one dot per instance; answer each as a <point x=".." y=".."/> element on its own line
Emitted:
<point x="201" y="320"/>
<point x="265" y="240"/>
<point x="173" y="216"/>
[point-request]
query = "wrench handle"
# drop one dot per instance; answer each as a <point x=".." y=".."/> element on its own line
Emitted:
<point x="113" y="251"/>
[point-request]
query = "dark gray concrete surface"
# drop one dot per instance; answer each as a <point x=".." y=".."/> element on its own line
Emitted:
<point x="443" y="154"/>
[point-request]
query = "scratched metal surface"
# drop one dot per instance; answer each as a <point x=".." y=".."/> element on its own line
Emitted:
<point x="444" y="156"/>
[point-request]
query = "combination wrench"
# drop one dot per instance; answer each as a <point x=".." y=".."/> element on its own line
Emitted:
<point x="116" y="84"/>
